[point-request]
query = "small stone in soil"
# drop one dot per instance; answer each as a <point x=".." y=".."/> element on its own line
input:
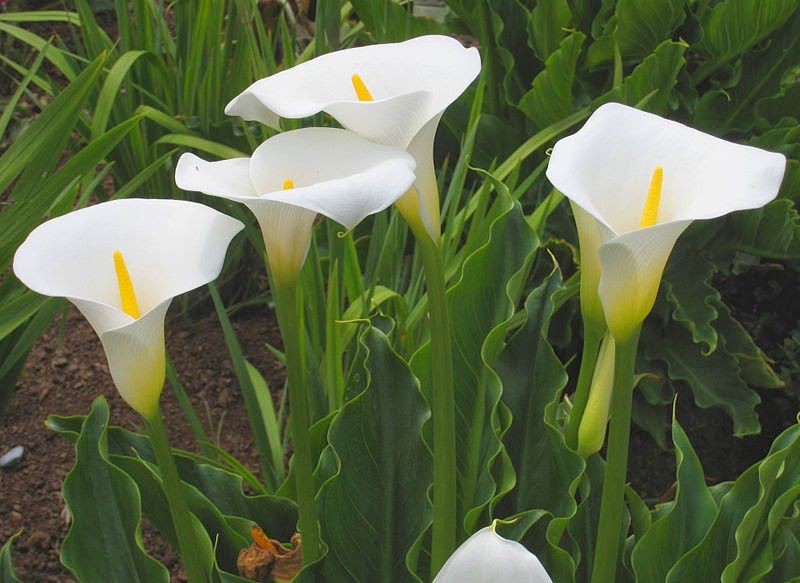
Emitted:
<point x="12" y="457"/>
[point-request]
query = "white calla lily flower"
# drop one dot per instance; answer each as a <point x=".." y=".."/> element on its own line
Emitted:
<point x="295" y="175"/>
<point x="121" y="263"/>
<point x="393" y="94"/>
<point x="637" y="181"/>
<point x="486" y="557"/>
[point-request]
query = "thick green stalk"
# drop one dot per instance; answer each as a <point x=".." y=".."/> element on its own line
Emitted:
<point x="442" y="407"/>
<point x="290" y="321"/>
<point x="591" y="346"/>
<point x="188" y="546"/>
<point x="609" y="535"/>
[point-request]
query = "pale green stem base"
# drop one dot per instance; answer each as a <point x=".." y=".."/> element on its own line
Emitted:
<point x="189" y="547"/>
<point x="290" y="321"/>
<point x="609" y="532"/>
<point x="591" y="348"/>
<point x="442" y="407"/>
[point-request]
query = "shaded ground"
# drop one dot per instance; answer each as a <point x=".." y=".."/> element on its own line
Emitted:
<point x="65" y="372"/>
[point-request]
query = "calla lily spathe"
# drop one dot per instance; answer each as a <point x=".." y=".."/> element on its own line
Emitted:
<point x="169" y="247"/>
<point x="392" y="94"/>
<point x="488" y="557"/>
<point x="295" y="175"/>
<point x="626" y="168"/>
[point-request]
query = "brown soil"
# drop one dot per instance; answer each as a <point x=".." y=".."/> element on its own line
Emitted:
<point x="65" y="372"/>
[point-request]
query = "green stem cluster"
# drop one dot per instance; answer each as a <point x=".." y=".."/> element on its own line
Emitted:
<point x="290" y="321"/>
<point x="442" y="407"/>
<point x="189" y="547"/>
<point x="609" y="532"/>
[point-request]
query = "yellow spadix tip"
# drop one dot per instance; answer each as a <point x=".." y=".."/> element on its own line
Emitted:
<point x="288" y="183"/>
<point x="361" y="90"/>
<point x="127" y="296"/>
<point x="651" y="204"/>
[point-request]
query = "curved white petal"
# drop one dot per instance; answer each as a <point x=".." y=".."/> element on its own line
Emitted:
<point x="136" y="359"/>
<point x="169" y="246"/>
<point x="226" y="178"/>
<point x="334" y="172"/>
<point x="631" y="269"/>
<point x="488" y="557"/>
<point x="286" y="229"/>
<point x="606" y="168"/>
<point x="438" y="65"/>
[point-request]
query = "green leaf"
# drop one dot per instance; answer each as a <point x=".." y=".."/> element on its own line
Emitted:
<point x="653" y="79"/>
<point x="684" y="524"/>
<point x="479" y="301"/>
<point x="104" y="542"/>
<point x="687" y="286"/>
<point x="641" y="25"/>
<point x="546" y="26"/>
<point x="533" y="378"/>
<point x="741" y="536"/>
<point x="773" y="231"/>
<point x="547" y="471"/>
<point x="734" y="26"/>
<point x="714" y="378"/>
<point x="376" y="505"/>
<point x="754" y="366"/>
<point x="6" y="567"/>
<point x="550" y="97"/>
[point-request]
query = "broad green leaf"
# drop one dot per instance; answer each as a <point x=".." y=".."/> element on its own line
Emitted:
<point x="104" y="542"/>
<point x="641" y="25"/>
<point x="714" y="378"/>
<point x="41" y="16"/>
<point x="478" y="302"/>
<point x="533" y="378"/>
<point x="741" y="527"/>
<point x="110" y="90"/>
<point x="59" y="58"/>
<point x="734" y="104"/>
<point x="209" y="146"/>
<point x="550" y="97"/>
<point x="376" y="504"/>
<point x="6" y="567"/>
<point x="653" y="79"/>
<point x="734" y="26"/>
<point x="772" y="231"/>
<point x="687" y="286"/>
<point x="754" y="366"/>
<point x="547" y="471"/>
<point x="546" y="26"/>
<point x="391" y="21"/>
<point x="685" y="523"/>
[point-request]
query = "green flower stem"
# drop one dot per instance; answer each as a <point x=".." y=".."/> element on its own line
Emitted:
<point x="592" y="337"/>
<point x="290" y="321"/>
<point x="189" y="547"/>
<point x="609" y="535"/>
<point x="442" y="407"/>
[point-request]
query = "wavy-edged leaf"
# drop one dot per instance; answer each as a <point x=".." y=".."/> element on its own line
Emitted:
<point x="714" y="378"/>
<point x="732" y="27"/>
<point x="104" y="542"/>
<point x="754" y="366"/>
<point x="772" y="231"/>
<point x="652" y="81"/>
<point x="687" y="286"/>
<point x="742" y="527"/>
<point x="547" y="26"/>
<point x="376" y="505"/>
<point x="550" y="97"/>
<point x="478" y="302"/>
<point x="685" y="523"/>
<point x="547" y="471"/>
